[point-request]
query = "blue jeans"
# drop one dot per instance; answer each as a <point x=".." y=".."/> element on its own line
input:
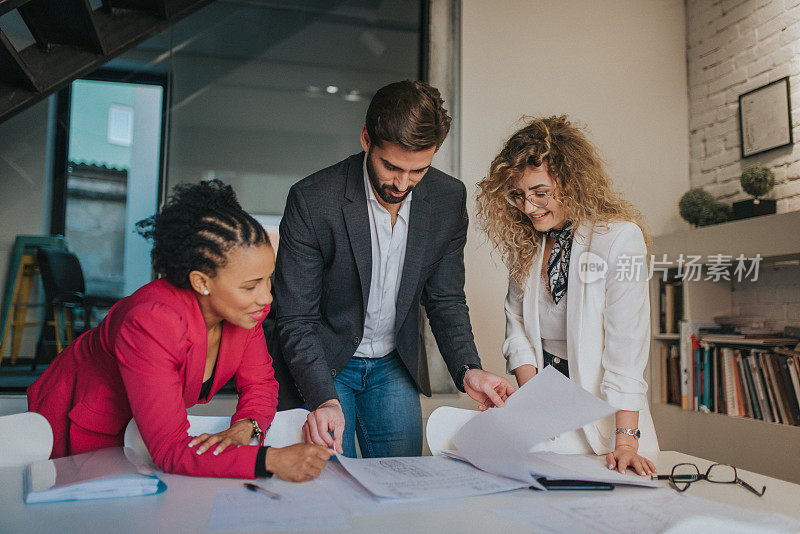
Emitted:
<point x="381" y="404"/>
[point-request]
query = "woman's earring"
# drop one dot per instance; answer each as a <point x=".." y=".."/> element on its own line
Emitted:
<point x="206" y="292"/>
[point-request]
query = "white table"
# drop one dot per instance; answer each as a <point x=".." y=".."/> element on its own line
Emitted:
<point x="186" y="504"/>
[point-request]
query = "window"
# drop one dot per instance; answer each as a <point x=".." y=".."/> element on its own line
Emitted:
<point x="112" y="175"/>
<point x="254" y="92"/>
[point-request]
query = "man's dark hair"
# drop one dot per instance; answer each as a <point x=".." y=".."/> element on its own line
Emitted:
<point x="196" y="228"/>
<point x="409" y="113"/>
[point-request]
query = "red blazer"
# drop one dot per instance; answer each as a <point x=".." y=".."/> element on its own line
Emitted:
<point x="146" y="360"/>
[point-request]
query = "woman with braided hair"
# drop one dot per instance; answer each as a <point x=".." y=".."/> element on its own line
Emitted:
<point x="174" y="343"/>
<point x="567" y="239"/>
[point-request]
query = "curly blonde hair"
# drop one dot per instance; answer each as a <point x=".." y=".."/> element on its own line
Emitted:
<point x="583" y="187"/>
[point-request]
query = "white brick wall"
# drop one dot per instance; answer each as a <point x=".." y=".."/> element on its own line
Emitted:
<point x="734" y="46"/>
<point x="774" y="296"/>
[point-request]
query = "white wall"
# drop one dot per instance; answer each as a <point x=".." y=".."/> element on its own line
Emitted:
<point x="618" y="67"/>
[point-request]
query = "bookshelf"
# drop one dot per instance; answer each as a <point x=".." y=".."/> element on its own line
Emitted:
<point x="666" y="337"/>
<point x="752" y="444"/>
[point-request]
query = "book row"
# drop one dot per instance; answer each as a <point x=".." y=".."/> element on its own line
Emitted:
<point x="758" y="383"/>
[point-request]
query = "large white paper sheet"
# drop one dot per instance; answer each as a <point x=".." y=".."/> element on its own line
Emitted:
<point x="499" y="440"/>
<point x="301" y="508"/>
<point x="490" y="446"/>
<point x="359" y="502"/>
<point x="546" y="406"/>
<point x="650" y="511"/>
<point x="356" y="499"/>
<point x="424" y="477"/>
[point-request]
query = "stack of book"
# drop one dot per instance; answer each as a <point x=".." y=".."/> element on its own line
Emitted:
<point x="720" y="375"/>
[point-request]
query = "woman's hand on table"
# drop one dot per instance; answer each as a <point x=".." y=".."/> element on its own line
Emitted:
<point x="300" y="462"/>
<point x="239" y="433"/>
<point x="625" y="456"/>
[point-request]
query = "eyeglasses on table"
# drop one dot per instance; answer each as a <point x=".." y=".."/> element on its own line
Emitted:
<point x="684" y="474"/>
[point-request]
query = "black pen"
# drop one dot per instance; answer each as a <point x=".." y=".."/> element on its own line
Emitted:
<point x="259" y="489"/>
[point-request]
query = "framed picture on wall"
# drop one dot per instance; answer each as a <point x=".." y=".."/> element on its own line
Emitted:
<point x="765" y="118"/>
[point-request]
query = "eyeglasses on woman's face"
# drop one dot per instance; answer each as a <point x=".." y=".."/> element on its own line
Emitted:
<point x="683" y="475"/>
<point x="538" y="199"/>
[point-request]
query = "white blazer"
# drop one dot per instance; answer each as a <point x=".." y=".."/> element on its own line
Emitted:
<point x="608" y="325"/>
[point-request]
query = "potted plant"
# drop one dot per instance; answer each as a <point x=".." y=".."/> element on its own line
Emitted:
<point x="757" y="180"/>
<point x="700" y="208"/>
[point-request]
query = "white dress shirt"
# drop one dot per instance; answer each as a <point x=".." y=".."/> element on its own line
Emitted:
<point x="388" y="258"/>
<point x="553" y="331"/>
<point x="552" y="322"/>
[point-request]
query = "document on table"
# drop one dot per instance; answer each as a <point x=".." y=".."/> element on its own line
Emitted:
<point x="650" y="511"/>
<point x="240" y="509"/>
<point x="354" y="498"/>
<point x="499" y="440"/>
<point x="424" y="477"/>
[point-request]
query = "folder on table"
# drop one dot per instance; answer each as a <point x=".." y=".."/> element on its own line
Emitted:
<point x="101" y="474"/>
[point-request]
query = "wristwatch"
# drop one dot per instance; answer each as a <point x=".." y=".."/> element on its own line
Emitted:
<point x="634" y="432"/>
<point x="462" y="372"/>
<point x="257" y="432"/>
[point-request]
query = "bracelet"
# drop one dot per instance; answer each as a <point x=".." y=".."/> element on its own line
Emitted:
<point x="257" y="432"/>
<point x="633" y="432"/>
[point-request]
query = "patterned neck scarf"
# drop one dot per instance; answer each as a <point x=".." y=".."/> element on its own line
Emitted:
<point x="558" y="263"/>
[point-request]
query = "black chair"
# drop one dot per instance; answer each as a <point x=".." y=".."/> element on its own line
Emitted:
<point x="65" y="291"/>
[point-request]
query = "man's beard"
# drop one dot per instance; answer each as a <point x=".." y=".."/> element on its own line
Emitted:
<point x="383" y="190"/>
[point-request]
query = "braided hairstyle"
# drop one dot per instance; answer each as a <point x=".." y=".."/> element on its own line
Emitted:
<point x="196" y="228"/>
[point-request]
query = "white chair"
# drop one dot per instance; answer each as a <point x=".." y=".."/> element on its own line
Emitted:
<point x="24" y="438"/>
<point x="286" y="429"/>
<point x="443" y="424"/>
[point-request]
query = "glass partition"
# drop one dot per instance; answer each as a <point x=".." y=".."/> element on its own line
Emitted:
<point x="253" y="92"/>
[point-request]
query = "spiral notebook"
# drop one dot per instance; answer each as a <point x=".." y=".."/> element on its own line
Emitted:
<point x="101" y="474"/>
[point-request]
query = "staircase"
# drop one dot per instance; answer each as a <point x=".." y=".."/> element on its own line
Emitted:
<point x="72" y="40"/>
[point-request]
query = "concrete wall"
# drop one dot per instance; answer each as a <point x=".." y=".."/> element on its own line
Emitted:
<point x="734" y="47"/>
<point x="618" y="67"/>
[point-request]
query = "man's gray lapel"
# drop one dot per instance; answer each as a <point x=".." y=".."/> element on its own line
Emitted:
<point x="356" y="219"/>
<point x="415" y="251"/>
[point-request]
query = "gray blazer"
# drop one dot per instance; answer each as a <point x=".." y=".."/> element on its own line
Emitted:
<point x="323" y="272"/>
